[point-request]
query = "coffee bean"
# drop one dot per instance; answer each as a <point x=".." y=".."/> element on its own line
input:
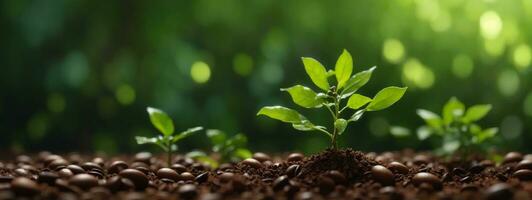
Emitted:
<point x="65" y="173"/>
<point x="293" y="157"/>
<point x="501" y="177"/>
<point x="226" y="176"/>
<point x="30" y="168"/>
<point x="23" y="159"/>
<point x="487" y="163"/>
<point x="187" y="191"/>
<point x="75" y="169"/>
<point x="116" y="183"/>
<point x="137" y="177"/>
<point x="47" y="177"/>
<point x="499" y="191"/>
<point x="83" y="181"/>
<point x="261" y="157"/>
<point x="57" y="164"/>
<point x="528" y="157"/>
<point x="90" y="166"/>
<point x="326" y="184"/>
<point x="99" y="161"/>
<point x="280" y="182"/>
<point x="144" y="170"/>
<point x="424" y="177"/>
<point x="293" y="171"/>
<point x="421" y="159"/>
<point x="50" y="158"/>
<point x="398" y="167"/>
<point x="524" y="164"/>
<point x="391" y="192"/>
<point x="513" y="157"/>
<point x="21" y="172"/>
<point x="144" y="157"/>
<point x="477" y="168"/>
<point x="117" y="166"/>
<point x="469" y="188"/>
<point x="382" y="175"/>
<point x="523" y="174"/>
<point x="252" y="163"/>
<point x="305" y="196"/>
<point x="186" y="176"/>
<point x="202" y="177"/>
<point x="168" y="173"/>
<point x="337" y="176"/>
<point x="96" y="174"/>
<point x="458" y="171"/>
<point x="6" y="179"/>
<point x="24" y="186"/>
<point x="179" y="168"/>
<point x="211" y="196"/>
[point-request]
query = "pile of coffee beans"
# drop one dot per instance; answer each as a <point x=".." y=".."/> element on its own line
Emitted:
<point x="389" y="175"/>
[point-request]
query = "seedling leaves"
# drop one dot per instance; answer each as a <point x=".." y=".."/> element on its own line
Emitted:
<point x="386" y="97"/>
<point x="344" y="68"/>
<point x="161" y="121"/>
<point x="317" y="73"/>
<point x="304" y="96"/>
<point x="357" y="101"/>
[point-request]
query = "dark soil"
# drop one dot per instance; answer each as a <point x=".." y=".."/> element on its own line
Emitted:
<point x="344" y="174"/>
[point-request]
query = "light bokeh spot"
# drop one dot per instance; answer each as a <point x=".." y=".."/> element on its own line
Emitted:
<point x="417" y="75"/>
<point x="462" y="66"/>
<point x="522" y="56"/>
<point x="511" y="127"/>
<point x="200" y="72"/>
<point x="243" y="64"/>
<point x="56" y="103"/>
<point x="125" y="94"/>
<point x="393" y="50"/>
<point x="490" y="24"/>
<point x="508" y="82"/>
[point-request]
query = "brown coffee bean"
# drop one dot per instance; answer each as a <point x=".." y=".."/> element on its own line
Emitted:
<point x="57" y="164"/>
<point x="76" y="169"/>
<point x="513" y="157"/>
<point x="50" y="158"/>
<point x="6" y="179"/>
<point x="179" y="168"/>
<point x="65" y="173"/>
<point x="382" y="175"/>
<point x="117" y="166"/>
<point x="458" y="171"/>
<point x="524" y="164"/>
<point x="137" y="177"/>
<point x="523" y="174"/>
<point x="421" y="159"/>
<point x="261" y="157"/>
<point x="186" y="176"/>
<point x="47" y="177"/>
<point x="295" y="157"/>
<point x="398" y="167"/>
<point x="211" y="196"/>
<point x="280" y="182"/>
<point x="391" y="192"/>
<point x="226" y="176"/>
<point x="99" y="161"/>
<point x="144" y="170"/>
<point x="499" y="191"/>
<point x="424" y="177"/>
<point x="24" y="186"/>
<point x="528" y="157"/>
<point x="24" y="159"/>
<point x="144" y="157"/>
<point x="477" y="168"/>
<point x="21" y="172"/>
<point x="88" y="166"/>
<point x="469" y="188"/>
<point x="337" y="176"/>
<point x="252" y="163"/>
<point x="326" y="184"/>
<point x="202" y="177"/>
<point x="293" y="171"/>
<point x="168" y="173"/>
<point x="138" y="164"/>
<point x="116" y="183"/>
<point x="83" y="181"/>
<point x="187" y="191"/>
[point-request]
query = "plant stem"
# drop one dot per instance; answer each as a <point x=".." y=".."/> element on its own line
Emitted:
<point x="334" y="144"/>
<point x="169" y="152"/>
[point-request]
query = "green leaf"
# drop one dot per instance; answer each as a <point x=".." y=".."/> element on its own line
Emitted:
<point x="242" y="153"/>
<point x="385" y="98"/>
<point x="161" y="121"/>
<point x="356" y="101"/>
<point x="487" y="134"/>
<point x="343" y="68"/>
<point x="154" y="140"/>
<point x="399" y="131"/>
<point x="340" y="125"/>
<point x="358" y="114"/>
<point x="304" y="96"/>
<point x="316" y="72"/>
<point x="476" y="112"/>
<point x="305" y="125"/>
<point x="424" y="132"/>
<point x="432" y="119"/>
<point x="187" y="133"/>
<point x="217" y="137"/>
<point x="356" y="82"/>
<point x="238" y="141"/>
<point x="452" y="109"/>
<point x="282" y="114"/>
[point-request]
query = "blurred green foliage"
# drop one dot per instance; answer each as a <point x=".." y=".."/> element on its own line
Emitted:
<point x="77" y="75"/>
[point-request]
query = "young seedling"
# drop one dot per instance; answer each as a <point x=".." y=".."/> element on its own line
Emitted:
<point x="230" y="149"/>
<point x="457" y="128"/>
<point x="167" y="141"/>
<point x="333" y="97"/>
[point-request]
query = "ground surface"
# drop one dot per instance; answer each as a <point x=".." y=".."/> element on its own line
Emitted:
<point x="344" y="174"/>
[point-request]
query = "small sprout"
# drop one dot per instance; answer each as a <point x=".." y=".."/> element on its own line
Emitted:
<point x="230" y="149"/>
<point x="165" y="125"/>
<point x="457" y="128"/>
<point x="333" y="97"/>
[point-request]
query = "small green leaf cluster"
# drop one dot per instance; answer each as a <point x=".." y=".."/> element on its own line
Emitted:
<point x="167" y="140"/>
<point x="332" y="97"/>
<point x="457" y="127"/>
<point x="229" y="148"/>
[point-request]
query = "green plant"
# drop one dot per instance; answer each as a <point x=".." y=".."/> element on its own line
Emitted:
<point x="333" y="97"/>
<point x="230" y="149"/>
<point x="165" y="125"/>
<point x="456" y="128"/>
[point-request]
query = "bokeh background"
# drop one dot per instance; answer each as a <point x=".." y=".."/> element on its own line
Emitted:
<point x="77" y="75"/>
